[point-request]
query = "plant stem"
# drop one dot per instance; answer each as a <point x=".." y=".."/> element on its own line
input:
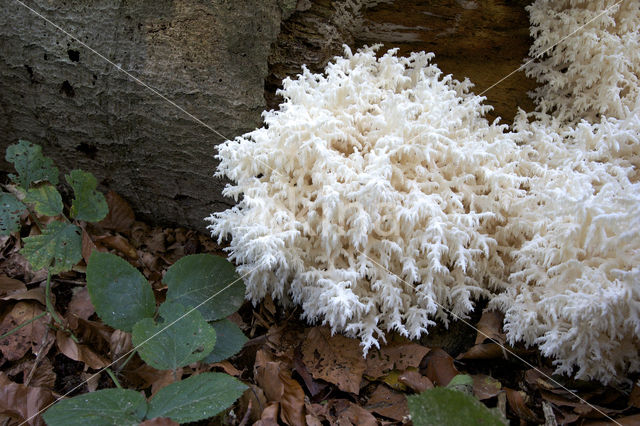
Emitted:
<point x="10" y="332"/>
<point x="121" y="366"/>
<point x="47" y="298"/>
<point x="113" y="377"/>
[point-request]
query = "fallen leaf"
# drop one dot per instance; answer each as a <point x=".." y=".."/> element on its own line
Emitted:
<point x="10" y="286"/>
<point x="41" y="372"/>
<point x="228" y="368"/>
<point x="88" y="246"/>
<point x="440" y="367"/>
<point x="519" y="406"/>
<point x="31" y="336"/>
<point x="314" y="387"/>
<point x="120" y="244"/>
<point x="269" y="415"/>
<point x="388" y="403"/>
<point x="120" y="217"/>
<point x="394" y="356"/>
<point x="22" y="402"/>
<point x="483" y="351"/>
<point x="119" y="346"/>
<point x="633" y="420"/>
<point x="490" y="327"/>
<point x="485" y="387"/>
<point x="91" y="380"/>
<point x="343" y="412"/>
<point x="79" y="352"/>
<point x="80" y="304"/>
<point x="253" y="399"/>
<point x="278" y="386"/>
<point x="36" y="294"/>
<point x="145" y="376"/>
<point x="415" y="381"/>
<point x="335" y="359"/>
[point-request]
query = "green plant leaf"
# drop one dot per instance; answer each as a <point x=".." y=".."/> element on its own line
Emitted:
<point x="199" y="277"/>
<point x="462" y="383"/>
<point x="447" y="407"/>
<point x="229" y="340"/>
<point x="105" y="407"/>
<point x="46" y="199"/>
<point x="120" y="293"/>
<point x="10" y="210"/>
<point x="89" y="204"/>
<point x="30" y="164"/>
<point x="182" y="337"/>
<point x="196" y="398"/>
<point x="58" y="248"/>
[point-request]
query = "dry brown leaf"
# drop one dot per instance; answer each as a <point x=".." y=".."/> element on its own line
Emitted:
<point x="490" y="327"/>
<point x="228" y="368"/>
<point x="440" y="367"/>
<point x="485" y="387"/>
<point x="159" y="421"/>
<point x="633" y="420"/>
<point x="145" y="376"/>
<point x="518" y="404"/>
<point x="80" y="304"/>
<point x="483" y="351"/>
<point x="91" y="379"/>
<point x="119" y="346"/>
<point x="31" y="336"/>
<point x="155" y="241"/>
<point x="92" y="333"/>
<point x="415" y="381"/>
<point x="36" y="294"/>
<point x="88" y="246"/>
<point x="343" y="412"/>
<point x="10" y="286"/>
<point x="120" y="217"/>
<point x="388" y="403"/>
<point x="278" y="386"/>
<point x="314" y="387"/>
<point x="120" y="244"/>
<point x="269" y="415"/>
<point x="394" y="356"/>
<point x="335" y="359"/>
<point x="21" y="402"/>
<point x="79" y="352"/>
<point x="253" y="399"/>
<point x="41" y="372"/>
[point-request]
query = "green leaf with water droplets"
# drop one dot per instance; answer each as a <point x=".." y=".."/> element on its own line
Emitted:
<point x="196" y="398"/>
<point x="120" y="293"/>
<point x="208" y="282"/>
<point x="105" y="407"/>
<point x="180" y="338"/>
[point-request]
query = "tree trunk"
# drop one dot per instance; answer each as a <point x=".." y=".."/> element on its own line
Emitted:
<point x="220" y="60"/>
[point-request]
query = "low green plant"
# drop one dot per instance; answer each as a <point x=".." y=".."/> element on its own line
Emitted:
<point x="202" y="290"/>
<point x="190" y="326"/>
<point x="59" y="246"/>
<point x="452" y="405"/>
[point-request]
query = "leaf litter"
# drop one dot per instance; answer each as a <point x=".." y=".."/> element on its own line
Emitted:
<point x="297" y="373"/>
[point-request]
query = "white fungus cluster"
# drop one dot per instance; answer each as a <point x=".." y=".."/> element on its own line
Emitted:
<point x="378" y="198"/>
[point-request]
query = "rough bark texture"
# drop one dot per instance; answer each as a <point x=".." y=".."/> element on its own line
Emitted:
<point x="209" y="57"/>
<point x="222" y="61"/>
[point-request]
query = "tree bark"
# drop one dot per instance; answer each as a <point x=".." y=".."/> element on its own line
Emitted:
<point x="220" y="60"/>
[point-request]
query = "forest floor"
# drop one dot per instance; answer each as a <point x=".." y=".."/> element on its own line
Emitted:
<point x="297" y="373"/>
